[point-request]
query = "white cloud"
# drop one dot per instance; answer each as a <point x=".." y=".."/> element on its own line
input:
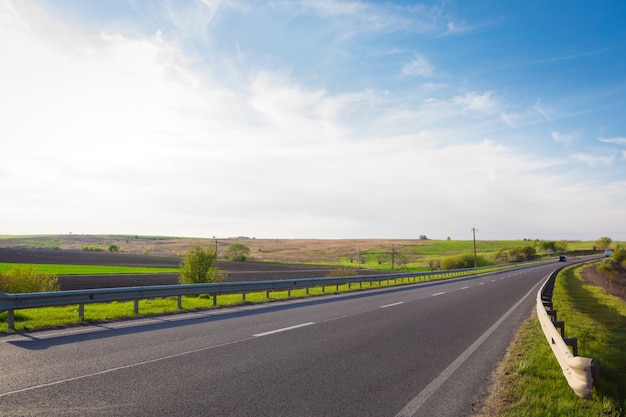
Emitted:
<point x="120" y="133"/>
<point x="594" y="161"/>
<point x="480" y="102"/>
<point x="536" y="113"/>
<point x="616" y="140"/>
<point x="563" y="138"/>
<point x="419" y="66"/>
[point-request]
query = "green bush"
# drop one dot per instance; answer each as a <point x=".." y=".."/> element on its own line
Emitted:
<point x="113" y="248"/>
<point x="91" y="248"/>
<point x="619" y="255"/>
<point x="341" y="272"/>
<point x="23" y="279"/>
<point x="462" y="261"/>
<point x="237" y="252"/>
<point x="200" y="266"/>
<point x="522" y="253"/>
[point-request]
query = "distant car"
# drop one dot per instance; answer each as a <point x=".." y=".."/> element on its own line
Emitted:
<point x="562" y="258"/>
<point x="608" y="253"/>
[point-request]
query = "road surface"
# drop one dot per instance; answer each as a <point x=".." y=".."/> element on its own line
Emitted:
<point x="415" y="350"/>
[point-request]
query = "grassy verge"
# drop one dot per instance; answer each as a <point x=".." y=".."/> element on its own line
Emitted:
<point x="529" y="381"/>
<point x="59" y="269"/>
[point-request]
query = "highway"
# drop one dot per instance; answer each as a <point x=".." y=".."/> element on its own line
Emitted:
<point x="415" y="350"/>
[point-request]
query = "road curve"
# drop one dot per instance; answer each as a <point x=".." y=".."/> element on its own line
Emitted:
<point x="416" y="350"/>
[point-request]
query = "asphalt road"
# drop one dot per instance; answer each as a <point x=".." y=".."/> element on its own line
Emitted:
<point x="417" y="350"/>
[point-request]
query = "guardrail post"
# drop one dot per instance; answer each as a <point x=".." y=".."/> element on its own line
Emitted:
<point x="573" y="343"/>
<point x="11" y="319"/>
<point x="180" y="302"/>
<point x="552" y="313"/>
<point x="214" y="300"/>
<point x="81" y="312"/>
<point x="560" y="325"/>
<point x="136" y="306"/>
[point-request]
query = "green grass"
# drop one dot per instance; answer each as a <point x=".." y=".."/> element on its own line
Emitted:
<point x="533" y="383"/>
<point x="59" y="269"/>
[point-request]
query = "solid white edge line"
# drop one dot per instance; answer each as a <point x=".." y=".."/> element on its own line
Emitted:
<point x="392" y="305"/>
<point x="416" y="403"/>
<point x="284" y="329"/>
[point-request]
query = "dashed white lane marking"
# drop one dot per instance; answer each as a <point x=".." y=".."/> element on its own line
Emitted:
<point x="439" y="293"/>
<point x="284" y="329"/>
<point x="464" y="288"/>
<point x="416" y="403"/>
<point x="392" y="305"/>
<point x="481" y="283"/>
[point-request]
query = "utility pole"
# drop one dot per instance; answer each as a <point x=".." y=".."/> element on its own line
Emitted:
<point x="393" y="254"/>
<point x="358" y="256"/>
<point x="474" y="234"/>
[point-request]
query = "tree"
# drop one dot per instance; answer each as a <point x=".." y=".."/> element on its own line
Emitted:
<point x="619" y="255"/>
<point x="548" y="245"/>
<point x="200" y="266"/>
<point x="113" y="248"/>
<point x="561" y="246"/>
<point x="522" y="253"/>
<point x="604" y="243"/>
<point x="237" y="252"/>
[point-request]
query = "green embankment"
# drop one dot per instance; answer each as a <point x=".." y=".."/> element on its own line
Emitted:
<point x="530" y="381"/>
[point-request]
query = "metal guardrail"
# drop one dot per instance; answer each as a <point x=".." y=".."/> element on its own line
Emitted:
<point x="579" y="371"/>
<point x="12" y="302"/>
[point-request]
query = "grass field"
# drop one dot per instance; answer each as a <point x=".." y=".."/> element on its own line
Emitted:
<point x="414" y="254"/>
<point x="57" y="269"/>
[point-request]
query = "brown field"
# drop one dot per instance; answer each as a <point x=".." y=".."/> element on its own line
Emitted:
<point x="278" y="250"/>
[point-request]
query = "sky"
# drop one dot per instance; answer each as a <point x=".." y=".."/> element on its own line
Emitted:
<point x="314" y="119"/>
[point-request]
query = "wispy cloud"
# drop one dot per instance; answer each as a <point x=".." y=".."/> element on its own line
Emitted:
<point x="193" y="134"/>
<point x="536" y="113"/>
<point x="616" y="140"/>
<point x="419" y="66"/>
<point x="563" y="138"/>
<point x="595" y="161"/>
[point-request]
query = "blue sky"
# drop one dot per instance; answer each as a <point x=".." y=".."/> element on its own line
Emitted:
<point x="314" y="119"/>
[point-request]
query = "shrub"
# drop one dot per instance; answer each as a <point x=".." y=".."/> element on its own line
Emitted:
<point x="23" y="279"/>
<point x="604" y="242"/>
<point x="91" y="248"/>
<point x="619" y="255"/>
<point x="464" y="260"/>
<point x="237" y="252"/>
<point x="113" y="248"/>
<point x="522" y="253"/>
<point x="200" y="266"/>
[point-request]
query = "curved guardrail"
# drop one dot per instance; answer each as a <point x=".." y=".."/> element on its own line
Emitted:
<point x="577" y="370"/>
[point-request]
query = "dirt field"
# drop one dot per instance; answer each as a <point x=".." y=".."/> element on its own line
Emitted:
<point x="235" y="271"/>
<point x="279" y="250"/>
